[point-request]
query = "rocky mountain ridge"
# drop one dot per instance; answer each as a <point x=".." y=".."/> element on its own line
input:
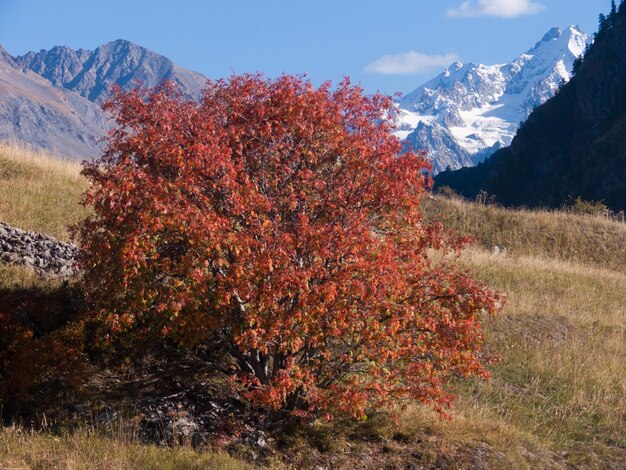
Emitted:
<point x="92" y="74"/>
<point x="43" y="116"/>
<point x="460" y="117"/>
<point x="52" y="99"/>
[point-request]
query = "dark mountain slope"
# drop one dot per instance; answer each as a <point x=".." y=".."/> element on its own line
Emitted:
<point x="572" y="146"/>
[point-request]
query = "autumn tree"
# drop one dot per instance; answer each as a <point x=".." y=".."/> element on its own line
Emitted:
<point x="283" y="219"/>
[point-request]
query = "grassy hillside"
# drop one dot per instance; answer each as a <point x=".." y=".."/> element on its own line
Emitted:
<point x="85" y="451"/>
<point x="561" y="337"/>
<point x="39" y="192"/>
<point x="566" y="236"/>
<point x="557" y="397"/>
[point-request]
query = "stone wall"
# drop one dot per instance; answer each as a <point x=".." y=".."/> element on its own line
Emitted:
<point x="46" y="255"/>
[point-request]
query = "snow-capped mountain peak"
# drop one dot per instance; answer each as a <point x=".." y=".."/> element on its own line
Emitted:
<point x="572" y="38"/>
<point x="470" y="110"/>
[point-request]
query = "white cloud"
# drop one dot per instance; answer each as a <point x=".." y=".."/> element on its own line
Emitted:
<point x="409" y="63"/>
<point x="500" y="8"/>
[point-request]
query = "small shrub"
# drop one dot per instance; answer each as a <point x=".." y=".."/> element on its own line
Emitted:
<point x="580" y="206"/>
<point x="447" y="191"/>
<point x="282" y="219"/>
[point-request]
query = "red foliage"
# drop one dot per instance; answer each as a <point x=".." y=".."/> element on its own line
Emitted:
<point x="283" y="218"/>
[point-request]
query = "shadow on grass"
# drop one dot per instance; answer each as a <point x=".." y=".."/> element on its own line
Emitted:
<point x="43" y="337"/>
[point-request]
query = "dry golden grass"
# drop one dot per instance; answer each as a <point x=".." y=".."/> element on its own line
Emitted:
<point x="40" y="192"/>
<point x="557" y="398"/>
<point x="552" y="234"/>
<point x="562" y="340"/>
<point x="12" y="276"/>
<point x="84" y="450"/>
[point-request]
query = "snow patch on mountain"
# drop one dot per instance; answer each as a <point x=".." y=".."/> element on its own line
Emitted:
<point x="470" y="110"/>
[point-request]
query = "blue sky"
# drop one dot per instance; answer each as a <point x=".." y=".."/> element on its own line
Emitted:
<point x="392" y="45"/>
